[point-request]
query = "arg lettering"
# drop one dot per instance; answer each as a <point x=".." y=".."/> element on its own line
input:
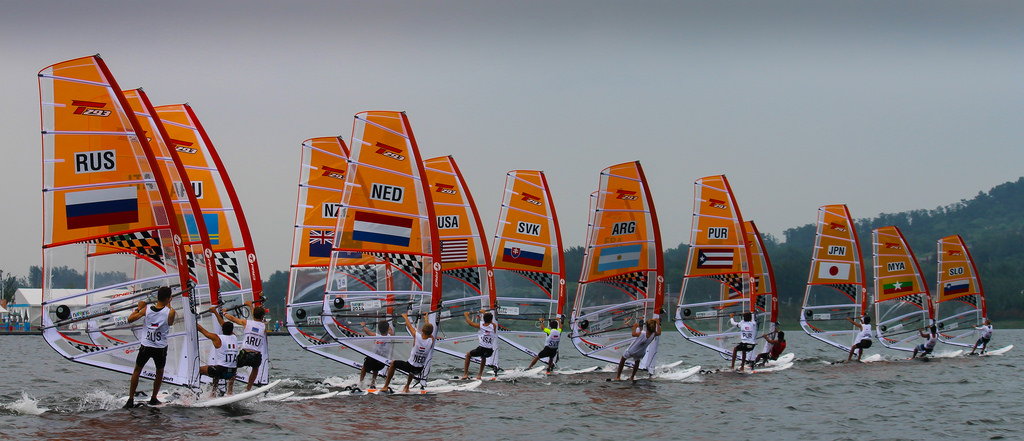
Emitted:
<point x="620" y="228"/>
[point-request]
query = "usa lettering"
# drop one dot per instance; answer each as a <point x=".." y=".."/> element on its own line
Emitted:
<point x="331" y="210"/>
<point x="896" y="266"/>
<point x="92" y="162"/>
<point x="447" y="222"/>
<point x="836" y="250"/>
<point x="718" y="233"/>
<point x="620" y="228"/>
<point x="388" y="193"/>
<point x="528" y="228"/>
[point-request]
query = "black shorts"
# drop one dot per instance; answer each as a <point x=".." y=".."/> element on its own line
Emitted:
<point x="405" y="366"/>
<point x="481" y="351"/>
<point x="220" y="372"/>
<point x="373" y="365"/>
<point x="159" y="356"/>
<point x="251" y="359"/>
<point x="983" y="341"/>
<point x="863" y="344"/>
<point x="548" y="352"/>
<point x="745" y="347"/>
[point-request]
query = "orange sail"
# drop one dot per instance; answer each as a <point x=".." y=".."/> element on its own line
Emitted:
<point x="960" y="308"/>
<point x="623" y="275"/>
<point x="836" y="286"/>
<point x="717" y="284"/>
<point x="528" y="261"/>
<point x="903" y="304"/>
<point x="766" y="297"/>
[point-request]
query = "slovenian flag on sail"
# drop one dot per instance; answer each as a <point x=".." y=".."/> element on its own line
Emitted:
<point x="523" y="254"/>
<point x="898" y="287"/>
<point x="832" y="270"/>
<point x="625" y="256"/>
<point x="958" y="287"/>
<point x="96" y="208"/>
<point x="212" y="227"/>
<point x="381" y="228"/>
<point x="714" y="259"/>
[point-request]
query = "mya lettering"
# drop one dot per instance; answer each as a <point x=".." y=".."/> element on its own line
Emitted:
<point x="99" y="161"/>
<point x="620" y="228"/>
<point x="445" y="188"/>
<point x="90" y="108"/>
<point x="896" y="266"/>
<point x="836" y="250"/>
<point x="449" y="222"/>
<point x="718" y="233"/>
<point x="625" y="195"/>
<point x="330" y="210"/>
<point x="390" y="152"/>
<point x="528" y="228"/>
<point x="388" y="193"/>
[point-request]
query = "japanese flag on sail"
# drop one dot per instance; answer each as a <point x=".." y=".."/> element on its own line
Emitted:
<point x="381" y="228"/>
<point x="106" y="206"/>
<point x="832" y="270"/>
<point x="523" y="254"/>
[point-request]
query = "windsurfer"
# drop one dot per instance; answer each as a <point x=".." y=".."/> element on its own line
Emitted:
<point x="748" y="338"/>
<point x="225" y="349"/>
<point x="486" y="331"/>
<point x="774" y="349"/>
<point x="929" y="345"/>
<point x="986" y="336"/>
<point x="157" y="324"/>
<point x="863" y="340"/>
<point x="644" y="334"/>
<point x="381" y="348"/>
<point x="254" y="340"/>
<point x="550" y="351"/>
<point x="423" y="345"/>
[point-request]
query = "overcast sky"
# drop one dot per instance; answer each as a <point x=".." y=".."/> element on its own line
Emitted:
<point x="884" y="106"/>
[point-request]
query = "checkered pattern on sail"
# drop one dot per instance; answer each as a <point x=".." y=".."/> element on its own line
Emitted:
<point x="541" y="279"/>
<point x="848" y="289"/>
<point x="761" y="302"/>
<point x="227" y="265"/>
<point x="971" y="299"/>
<point x="84" y="347"/>
<point x="733" y="280"/>
<point x="365" y="273"/>
<point x="412" y="265"/>
<point x="190" y="260"/>
<point x="140" y="242"/>
<point x="634" y="283"/>
<point x="469" y="275"/>
<point x="916" y="299"/>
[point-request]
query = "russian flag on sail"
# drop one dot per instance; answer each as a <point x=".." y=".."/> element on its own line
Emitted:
<point x="106" y="206"/>
<point x="523" y="254"/>
<point x="381" y="228"/>
<point x="960" y="286"/>
<point x="625" y="256"/>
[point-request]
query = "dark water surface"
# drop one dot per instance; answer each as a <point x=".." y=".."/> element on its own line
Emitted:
<point x="942" y="398"/>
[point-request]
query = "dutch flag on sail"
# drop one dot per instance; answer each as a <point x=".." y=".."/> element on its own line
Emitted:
<point x="381" y="228"/>
<point x="106" y="206"/>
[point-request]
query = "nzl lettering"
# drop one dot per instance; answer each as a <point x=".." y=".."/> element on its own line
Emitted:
<point x="389" y="193"/>
<point x="331" y="210"/>
<point x="836" y="250"/>
<point x="896" y="266"/>
<point x="528" y="228"/>
<point x="99" y="161"/>
<point x="719" y="233"/>
<point x="448" y="222"/>
<point x="620" y="228"/>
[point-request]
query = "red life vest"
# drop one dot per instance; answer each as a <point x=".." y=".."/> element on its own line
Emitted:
<point x="777" y="349"/>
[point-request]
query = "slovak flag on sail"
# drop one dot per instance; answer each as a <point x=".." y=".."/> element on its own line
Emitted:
<point x="320" y="243"/>
<point x="960" y="286"/>
<point x="625" y="256"/>
<point x="523" y="254"/>
<point x="832" y="270"/>
<point x="381" y="228"/>
<point x="106" y="206"/>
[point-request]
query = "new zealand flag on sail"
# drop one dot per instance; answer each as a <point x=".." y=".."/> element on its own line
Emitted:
<point x="320" y="243"/>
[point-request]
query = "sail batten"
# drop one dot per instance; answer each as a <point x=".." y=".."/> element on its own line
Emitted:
<point x="903" y="303"/>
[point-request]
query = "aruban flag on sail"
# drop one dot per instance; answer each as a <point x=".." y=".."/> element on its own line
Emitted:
<point x="898" y="287"/>
<point x="830" y="270"/>
<point x="212" y="227"/>
<point x="381" y="228"/>
<point x="96" y="208"/>
<point x="957" y="287"/>
<point x="714" y="259"/>
<point x="320" y="243"/>
<point x="523" y="254"/>
<point x="625" y="256"/>
<point x="454" y="250"/>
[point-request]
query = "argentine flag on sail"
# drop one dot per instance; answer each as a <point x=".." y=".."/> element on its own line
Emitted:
<point x="625" y="256"/>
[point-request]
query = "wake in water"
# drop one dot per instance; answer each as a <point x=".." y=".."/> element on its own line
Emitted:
<point x="26" y="405"/>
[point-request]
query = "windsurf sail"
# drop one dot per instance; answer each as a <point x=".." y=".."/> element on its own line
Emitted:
<point x="465" y="259"/>
<point x="717" y="286"/>
<point x="903" y="304"/>
<point x="836" y="286"/>
<point x="765" y="296"/>
<point x="231" y="254"/>
<point x="623" y="276"/>
<point x="529" y="264"/>
<point x="960" y="308"/>
<point x="387" y="214"/>
<point x="107" y="213"/>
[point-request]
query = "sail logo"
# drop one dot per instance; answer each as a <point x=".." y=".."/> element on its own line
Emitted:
<point x="956" y="271"/>
<point x="183" y="147"/>
<point x="528" y="228"/>
<point x="718" y="233"/>
<point x="531" y="199"/>
<point x="837" y="226"/>
<point x="389" y="152"/>
<point x="330" y="210"/>
<point x="331" y="172"/>
<point x="893" y="246"/>
<point x="450" y="222"/>
<point x="98" y="161"/>
<point x="954" y="253"/>
<point x="715" y="203"/>
<point x="896" y="266"/>
<point x="836" y="250"/>
<point x="625" y="195"/>
<point x="620" y="228"/>
<point x="387" y="193"/>
<point x="90" y="108"/>
<point x="445" y="188"/>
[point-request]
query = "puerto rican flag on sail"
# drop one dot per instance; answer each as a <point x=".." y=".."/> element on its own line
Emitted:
<point x="957" y="287"/>
<point x="97" y="208"/>
<point x="382" y="229"/>
<point x="714" y="259"/>
<point x="523" y="254"/>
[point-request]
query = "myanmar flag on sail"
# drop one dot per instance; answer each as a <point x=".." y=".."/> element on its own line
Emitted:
<point x="898" y="287"/>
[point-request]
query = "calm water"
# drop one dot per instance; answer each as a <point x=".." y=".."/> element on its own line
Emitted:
<point x="952" y="398"/>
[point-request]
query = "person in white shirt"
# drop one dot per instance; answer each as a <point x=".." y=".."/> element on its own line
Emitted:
<point x="159" y="319"/>
<point x="222" y="363"/>
<point x="863" y="339"/>
<point x="550" y="351"/>
<point x="926" y="348"/>
<point x="748" y="338"/>
<point x="986" y="336"/>
<point x="423" y="346"/>
<point x="644" y="334"/>
<point x="487" y="333"/>
<point x="254" y="341"/>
